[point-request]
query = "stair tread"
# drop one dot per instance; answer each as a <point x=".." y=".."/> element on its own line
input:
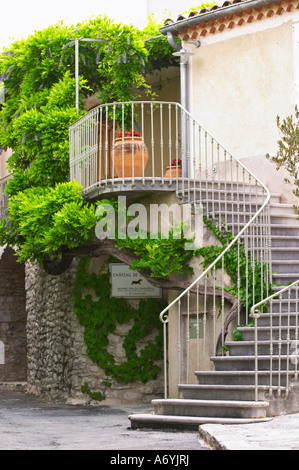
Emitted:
<point x="237" y="372"/>
<point x="248" y="358"/>
<point x="250" y="343"/>
<point x="266" y="328"/>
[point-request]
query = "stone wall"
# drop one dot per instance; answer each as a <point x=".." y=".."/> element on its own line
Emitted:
<point x="13" y="363"/>
<point x="58" y="365"/>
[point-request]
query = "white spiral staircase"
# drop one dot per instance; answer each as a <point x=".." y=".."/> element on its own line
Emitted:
<point x="246" y="382"/>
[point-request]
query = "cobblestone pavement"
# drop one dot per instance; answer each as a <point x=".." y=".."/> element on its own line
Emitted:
<point x="27" y="423"/>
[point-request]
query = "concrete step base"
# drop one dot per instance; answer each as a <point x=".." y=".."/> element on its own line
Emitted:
<point x="183" y="423"/>
<point x="211" y="408"/>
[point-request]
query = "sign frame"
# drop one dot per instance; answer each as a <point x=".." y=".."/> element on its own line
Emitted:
<point x="135" y="287"/>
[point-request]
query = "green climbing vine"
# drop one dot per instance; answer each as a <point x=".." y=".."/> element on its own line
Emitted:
<point x="253" y="274"/>
<point x="100" y="314"/>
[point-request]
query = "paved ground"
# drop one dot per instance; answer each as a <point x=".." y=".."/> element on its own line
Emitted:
<point x="281" y="433"/>
<point x="26" y="423"/>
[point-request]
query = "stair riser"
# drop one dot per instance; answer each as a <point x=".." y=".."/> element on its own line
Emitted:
<point x="285" y="306"/>
<point x="248" y="364"/>
<point x="209" y="411"/>
<point x="265" y="335"/>
<point x="245" y="206"/>
<point x="286" y="267"/>
<point x="264" y="350"/>
<point x="283" y="242"/>
<point x="265" y="320"/>
<point x="281" y="279"/>
<point x="240" y="379"/>
<point x="285" y="295"/>
<point x="280" y="255"/>
<point x="221" y="395"/>
<point x="284" y="219"/>
<point x="284" y="230"/>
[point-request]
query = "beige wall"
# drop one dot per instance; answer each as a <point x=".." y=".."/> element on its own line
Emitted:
<point x="241" y="84"/>
<point x="3" y="159"/>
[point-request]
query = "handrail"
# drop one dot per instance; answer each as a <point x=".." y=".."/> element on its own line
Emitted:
<point x="255" y="314"/>
<point x="163" y="317"/>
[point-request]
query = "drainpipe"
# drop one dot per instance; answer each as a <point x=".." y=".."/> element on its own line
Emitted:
<point x="183" y="54"/>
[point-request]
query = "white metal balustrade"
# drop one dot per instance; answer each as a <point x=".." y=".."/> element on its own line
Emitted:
<point x="231" y="197"/>
<point x="283" y="353"/>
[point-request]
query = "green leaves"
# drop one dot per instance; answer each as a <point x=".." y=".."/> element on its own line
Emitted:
<point x="41" y="220"/>
<point x="287" y="155"/>
<point x="100" y="315"/>
<point x="39" y="78"/>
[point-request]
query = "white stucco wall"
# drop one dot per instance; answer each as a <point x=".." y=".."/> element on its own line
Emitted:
<point x="241" y="84"/>
<point x="239" y="81"/>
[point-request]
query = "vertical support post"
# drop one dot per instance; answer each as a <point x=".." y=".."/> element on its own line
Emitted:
<point x="77" y="72"/>
<point x="256" y="356"/>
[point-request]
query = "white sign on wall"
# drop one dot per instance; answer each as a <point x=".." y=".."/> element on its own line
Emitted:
<point x="130" y="284"/>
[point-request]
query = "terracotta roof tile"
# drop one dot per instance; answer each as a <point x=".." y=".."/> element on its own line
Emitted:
<point x="249" y="11"/>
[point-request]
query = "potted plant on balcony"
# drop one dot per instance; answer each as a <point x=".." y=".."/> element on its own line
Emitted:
<point x="130" y="154"/>
<point x="174" y="170"/>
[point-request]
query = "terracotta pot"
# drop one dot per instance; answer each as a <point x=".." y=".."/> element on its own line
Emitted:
<point x="173" y="172"/>
<point x="123" y="156"/>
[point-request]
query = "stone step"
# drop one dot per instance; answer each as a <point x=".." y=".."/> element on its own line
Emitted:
<point x="184" y="423"/>
<point x="283" y="279"/>
<point x="285" y="266"/>
<point x="284" y="218"/>
<point x="240" y="363"/>
<point x="285" y="294"/>
<point x="284" y="241"/>
<point x="222" y="392"/>
<point x="228" y="377"/>
<point x="249" y="207"/>
<point x="285" y="253"/>
<point x="264" y="333"/>
<point x="276" y="318"/>
<point x="279" y="221"/>
<point x="211" y="408"/>
<point x="287" y="231"/>
<point x="278" y="208"/>
<point x="247" y="348"/>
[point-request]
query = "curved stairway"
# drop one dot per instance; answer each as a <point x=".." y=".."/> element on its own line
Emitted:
<point x="226" y="395"/>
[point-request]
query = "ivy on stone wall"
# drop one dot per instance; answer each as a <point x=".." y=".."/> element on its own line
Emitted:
<point x="99" y="314"/>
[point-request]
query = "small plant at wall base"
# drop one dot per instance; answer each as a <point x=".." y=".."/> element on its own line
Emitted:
<point x="288" y="149"/>
<point x="100" y="315"/>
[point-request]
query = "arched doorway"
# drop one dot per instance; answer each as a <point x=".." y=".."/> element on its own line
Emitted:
<point x="13" y="360"/>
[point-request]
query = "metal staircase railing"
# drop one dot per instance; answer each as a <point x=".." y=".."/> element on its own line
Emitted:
<point x="287" y="327"/>
<point x="230" y="197"/>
